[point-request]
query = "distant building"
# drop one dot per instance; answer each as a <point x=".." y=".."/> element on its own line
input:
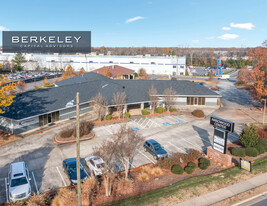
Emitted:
<point x="116" y="71"/>
<point x="158" y="65"/>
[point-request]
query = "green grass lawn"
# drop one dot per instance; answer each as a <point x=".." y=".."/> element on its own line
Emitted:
<point x="229" y="174"/>
<point x="229" y="71"/>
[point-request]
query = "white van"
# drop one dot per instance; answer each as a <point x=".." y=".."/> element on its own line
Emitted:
<point x="19" y="182"/>
<point x="225" y="76"/>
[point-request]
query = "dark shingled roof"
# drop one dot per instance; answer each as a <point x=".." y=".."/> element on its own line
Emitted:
<point x="46" y="100"/>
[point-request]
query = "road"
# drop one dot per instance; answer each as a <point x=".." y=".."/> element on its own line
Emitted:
<point x="177" y="133"/>
<point x="257" y="200"/>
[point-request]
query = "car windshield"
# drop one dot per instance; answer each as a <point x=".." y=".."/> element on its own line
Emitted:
<point x="19" y="181"/>
<point x="100" y="166"/>
<point x="157" y="147"/>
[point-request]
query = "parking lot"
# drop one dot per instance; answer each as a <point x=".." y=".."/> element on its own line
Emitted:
<point x="176" y="133"/>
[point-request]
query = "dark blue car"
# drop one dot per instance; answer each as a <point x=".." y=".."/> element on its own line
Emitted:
<point x="70" y="169"/>
<point x="154" y="148"/>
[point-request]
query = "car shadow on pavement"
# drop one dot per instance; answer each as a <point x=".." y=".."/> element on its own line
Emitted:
<point x="204" y="136"/>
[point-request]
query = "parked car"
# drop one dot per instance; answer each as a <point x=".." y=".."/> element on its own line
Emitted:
<point x="19" y="186"/>
<point x="96" y="165"/>
<point x="69" y="166"/>
<point x="154" y="148"/>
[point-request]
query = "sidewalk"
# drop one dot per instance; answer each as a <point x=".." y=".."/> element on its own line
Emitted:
<point x="224" y="193"/>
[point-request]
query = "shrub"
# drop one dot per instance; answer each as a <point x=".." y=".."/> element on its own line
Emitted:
<point x="192" y="165"/>
<point x="177" y="169"/>
<point x="64" y="197"/>
<point x="263" y="142"/>
<point x="108" y="117"/>
<point x="156" y="171"/>
<point x="89" y="187"/>
<point x="204" y="161"/>
<point x="173" y="110"/>
<point x="188" y="170"/>
<point x="260" y="149"/>
<point x="202" y="166"/>
<point x="85" y="128"/>
<point x="240" y="152"/>
<point x="146" y="169"/>
<point x="66" y="133"/>
<point x="262" y="132"/>
<point x="145" y="112"/>
<point x="127" y="115"/>
<point x="251" y="152"/>
<point x="159" y="110"/>
<point x="167" y="163"/>
<point x="143" y="177"/>
<point x="124" y="186"/>
<point x="198" y="113"/>
<point x="249" y="137"/>
<point x="37" y="200"/>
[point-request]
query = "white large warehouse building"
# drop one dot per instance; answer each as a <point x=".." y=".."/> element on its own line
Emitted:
<point x="167" y="65"/>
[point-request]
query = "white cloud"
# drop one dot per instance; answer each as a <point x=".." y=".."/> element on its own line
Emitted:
<point x="210" y="37"/>
<point x="226" y="28"/>
<point x="248" y="26"/>
<point x="228" y="36"/>
<point x="195" y="41"/>
<point x="2" y="28"/>
<point x="134" y="19"/>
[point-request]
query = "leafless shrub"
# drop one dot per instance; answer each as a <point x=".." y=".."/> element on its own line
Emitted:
<point x="156" y="172"/>
<point x="89" y="188"/>
<point x="143" y="177"/>
<point x="124" y="186"/>
<point x="37" y="200"/>
<point x="147" y="169"/>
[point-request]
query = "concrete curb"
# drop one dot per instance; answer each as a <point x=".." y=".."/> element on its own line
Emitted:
<point x="72" y="141"/>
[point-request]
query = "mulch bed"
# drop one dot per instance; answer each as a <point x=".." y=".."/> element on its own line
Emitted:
<point x="6" y="138"/>
<point x="157" y="182"/>
<point x="112" y="121"/>
<point x="72" y="139"/>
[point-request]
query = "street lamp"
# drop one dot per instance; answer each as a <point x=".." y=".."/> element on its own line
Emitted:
<point x="71" y="104"/>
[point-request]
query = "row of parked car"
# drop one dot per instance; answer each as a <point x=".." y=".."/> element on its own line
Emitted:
<point x="19" y="186"/>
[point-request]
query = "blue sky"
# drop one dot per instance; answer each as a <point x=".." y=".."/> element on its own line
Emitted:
<point x="159" y="23"/>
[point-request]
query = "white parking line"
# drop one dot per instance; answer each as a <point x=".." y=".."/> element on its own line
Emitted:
<point x="86" y="172"/>
<point x="108" y="131"/>
<point x="61" y="177"/>
<point x="35" y="183"/>
<point x="176" y="147"/>
<point x="7" y="200"/>
<point x="146" y="157"/>
<point x="195" y="146"/>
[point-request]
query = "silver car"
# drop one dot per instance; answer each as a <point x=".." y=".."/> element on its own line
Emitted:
<point x="19" y="182"/>
<point x="96" y="165"/>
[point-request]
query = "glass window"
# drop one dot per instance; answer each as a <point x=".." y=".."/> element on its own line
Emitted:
<point x="19" y="181"/>
<point x="41" y="121"/>
<point x="173" y="66"/>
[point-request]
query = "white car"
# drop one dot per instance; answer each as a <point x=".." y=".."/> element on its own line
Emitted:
<point x="96" y="165"/>
<point x="19" y="182"/>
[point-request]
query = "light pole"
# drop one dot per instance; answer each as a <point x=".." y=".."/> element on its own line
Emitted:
<point x="78" y="150"/>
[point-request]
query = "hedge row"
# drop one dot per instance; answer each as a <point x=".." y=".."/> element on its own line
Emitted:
<point x="85" y="128"/>
<point x="260" y="148"/>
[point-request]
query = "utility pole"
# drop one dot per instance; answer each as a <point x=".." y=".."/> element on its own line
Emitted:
<point x="264" y="108"/>
<point x="78" y="150"/>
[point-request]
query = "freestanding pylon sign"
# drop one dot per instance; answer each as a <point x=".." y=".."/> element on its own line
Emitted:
<point x="219" y="66"/>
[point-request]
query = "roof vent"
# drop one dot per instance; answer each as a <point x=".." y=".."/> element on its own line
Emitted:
<point x="123" y="87"/>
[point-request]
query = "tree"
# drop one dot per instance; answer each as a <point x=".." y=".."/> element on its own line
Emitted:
<point x="127" y="141"/>
<point x="99" y="104"/>
<point x="46" y="83"/>
<point x="22" y="86"/>
<point x="6" y="93"/>
<point x="186" y="72"/>
<point x="142" y="74"/>
<point x="211" y="75"/>
<point x="82" y="71"/>
<point x="107" y="72"/>
<point x="153" y="99"/>
<point x="119" y="100"/>
<point x="69" y="73"/>
<point x="249" y="137"/>
<point x="18" y="60"/>
<point x="106" y="151"/>
<point x="169" y="97"/>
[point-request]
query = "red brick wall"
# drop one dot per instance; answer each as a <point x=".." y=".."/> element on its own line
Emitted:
<point x="223" y="159"/>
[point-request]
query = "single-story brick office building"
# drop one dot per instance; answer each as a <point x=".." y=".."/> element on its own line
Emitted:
<point x="34" y="109"/>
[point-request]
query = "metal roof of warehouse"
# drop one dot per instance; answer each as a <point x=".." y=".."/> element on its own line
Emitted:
<point x="43" y="101"/>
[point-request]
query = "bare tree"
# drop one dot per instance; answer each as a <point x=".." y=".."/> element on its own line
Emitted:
<point x="152" y="93"/>
<point x="22" y="86"/>
<point x="169" y="97"/>
<point x="99" y="104"/>
<point x="106" y="151"/>
<point x="211" y="75"/>
<point x="127" y="141"/>
<point x="119" y="100"/>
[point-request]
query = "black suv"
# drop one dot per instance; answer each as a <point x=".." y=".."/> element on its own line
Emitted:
<point x="154" y="148"/>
